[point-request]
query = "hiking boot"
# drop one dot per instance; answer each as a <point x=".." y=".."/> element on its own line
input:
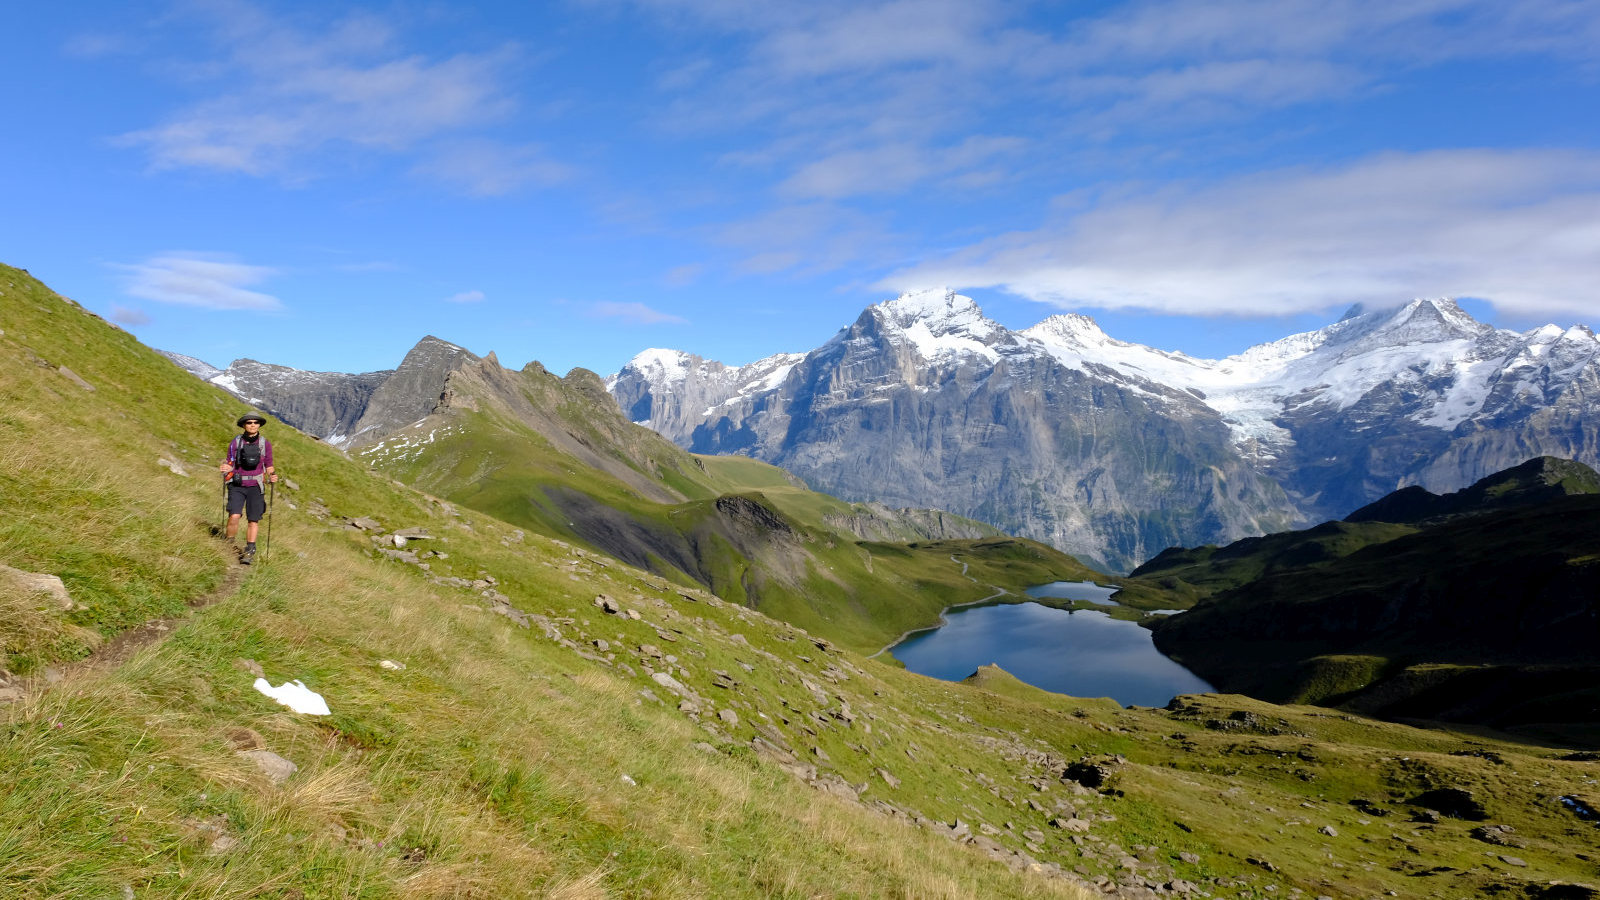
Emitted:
<point x="246" y="557"/>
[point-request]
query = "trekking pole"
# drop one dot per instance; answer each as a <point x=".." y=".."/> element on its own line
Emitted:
<point x="266" y="546"/>
<point x="223" y="531"/>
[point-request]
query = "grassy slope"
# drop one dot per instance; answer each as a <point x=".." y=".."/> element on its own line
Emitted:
<point x="860" y="594"/>
<point x="493" y="764"/>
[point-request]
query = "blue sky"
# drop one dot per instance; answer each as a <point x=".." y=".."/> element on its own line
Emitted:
<point x="572" y="182"/>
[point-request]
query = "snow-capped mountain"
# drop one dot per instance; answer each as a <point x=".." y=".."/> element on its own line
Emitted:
<point x="1114" y="450"/>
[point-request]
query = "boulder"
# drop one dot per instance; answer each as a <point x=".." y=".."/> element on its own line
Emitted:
<point x="1453" y="802"/>
<point x="38" y="583"/>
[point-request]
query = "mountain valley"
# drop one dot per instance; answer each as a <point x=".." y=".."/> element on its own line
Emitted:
<point x="518" y="712"/>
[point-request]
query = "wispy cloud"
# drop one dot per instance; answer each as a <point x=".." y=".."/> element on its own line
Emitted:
<point x="490" y="169"/>
<point x="684" y="275"/>
<point x="465" y="297"/>
<point x="133" y="318"/>
<point x="633" y="313"/>
<point x="211" y="281"/>
<point x="854" y="99"/>
<point x="1516" y="228"/>
<point x="283" y="95"/>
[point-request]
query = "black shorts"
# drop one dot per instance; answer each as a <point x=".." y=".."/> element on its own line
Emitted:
<point x="248" y="499"/>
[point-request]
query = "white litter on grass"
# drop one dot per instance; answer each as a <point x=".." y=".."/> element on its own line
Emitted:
<point x="296" y="696"/>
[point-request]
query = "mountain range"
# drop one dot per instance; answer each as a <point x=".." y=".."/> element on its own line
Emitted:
<point x="1112" y="450"/>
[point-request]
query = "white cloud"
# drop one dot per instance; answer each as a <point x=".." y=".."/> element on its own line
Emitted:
<point x="281" y="94"/>
<point x="465" y="297"/>
<point x="808" y="238"/>
<point x="850" y="99"/>
<point x="634" y="314"/>
<point x="1516" y="228"/>
<point x="133" y="318"/>
<point x="487" y="168"/>
<point x="211" y="281"/>
<point x="684" y="275"/>
<point x="893" y="167"/>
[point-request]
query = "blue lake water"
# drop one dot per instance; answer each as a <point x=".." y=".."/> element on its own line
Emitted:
<point x="1084" y="654"/>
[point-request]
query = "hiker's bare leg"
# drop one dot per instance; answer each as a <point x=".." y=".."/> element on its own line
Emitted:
<point x="250" y="531"/>
<point x="233" y="526"/>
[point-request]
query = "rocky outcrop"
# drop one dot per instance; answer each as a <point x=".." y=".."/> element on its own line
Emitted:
<point x="326" y="404"/>
<point x="411" y="392"/>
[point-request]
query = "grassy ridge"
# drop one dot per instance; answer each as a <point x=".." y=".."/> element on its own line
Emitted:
<point x="492" y="764"/>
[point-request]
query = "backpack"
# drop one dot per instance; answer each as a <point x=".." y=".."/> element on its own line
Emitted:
<point x="247" y="454"/>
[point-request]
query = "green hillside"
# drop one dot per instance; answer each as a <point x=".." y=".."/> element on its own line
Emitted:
<point x="514" y="715"/>
<point x="1478" y="607"/>
<point x="555" y="456"/>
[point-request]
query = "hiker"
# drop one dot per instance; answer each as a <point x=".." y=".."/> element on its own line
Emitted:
<point x="248" y="461"/>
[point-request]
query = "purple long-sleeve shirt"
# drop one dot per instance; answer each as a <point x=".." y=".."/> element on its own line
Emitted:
<point x="250" y="476"/>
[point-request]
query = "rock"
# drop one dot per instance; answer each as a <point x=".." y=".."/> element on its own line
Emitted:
<point x="251" y="666"/>
<point x="628" y="780"/>
<point x="173" y="466"/>
<point x="781" y="757"/>
<point x="277" y="768"/>
<point x="76" y="379"/>
<point x="1179" y="886"/>
<point x="728" y="716"/>
<point x="1498" y="835"/>
<point x="1075" y="825"/>
<point x="246" y="739"/>
<point x="39" y="583"/>
<point x="1190" y="858"/>
<point x="1328" y="830"/>
<point x="888" y="777"/>
<point x="1514" y="861"/>
<point x="1093" y="772"/>
<point x="601" y="644"/>
<point x="833" y="784"/>
<point x="1261" y="863"/>
<point x="222" y="845"/>
<point x="392" y="665"/>
<point x="607" y="604"/>
<point x="821" y="754"/>
<point x="399" y="541"/>
<point x="671" y="684"/>
<point x="1453" y="802"/>
<point x="365" y="524"/>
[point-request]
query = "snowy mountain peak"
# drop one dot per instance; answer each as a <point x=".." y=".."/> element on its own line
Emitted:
<point x="661" y="366"/>
<point x="1422" y="321"/>
<point x="940" y="310"/>
<point x="1070" y="329"/>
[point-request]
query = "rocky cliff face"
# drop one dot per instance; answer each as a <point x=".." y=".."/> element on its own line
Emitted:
<point x="1112" y="450"/>
<point x="410" y="392"/>
<point x="346" y="410"/>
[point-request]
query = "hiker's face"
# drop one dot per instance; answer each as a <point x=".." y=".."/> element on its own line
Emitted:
<point x="251" y="427"/>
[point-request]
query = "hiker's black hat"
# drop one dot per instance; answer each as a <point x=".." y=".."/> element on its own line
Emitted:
<point x="251" y="417"/>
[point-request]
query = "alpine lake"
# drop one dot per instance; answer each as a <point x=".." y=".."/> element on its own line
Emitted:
<point x="1082" y="652"/>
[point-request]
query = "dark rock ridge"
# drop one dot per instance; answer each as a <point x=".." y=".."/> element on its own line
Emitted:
<point x="1113" y="451"/>
<point x="1478" y="607"/>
